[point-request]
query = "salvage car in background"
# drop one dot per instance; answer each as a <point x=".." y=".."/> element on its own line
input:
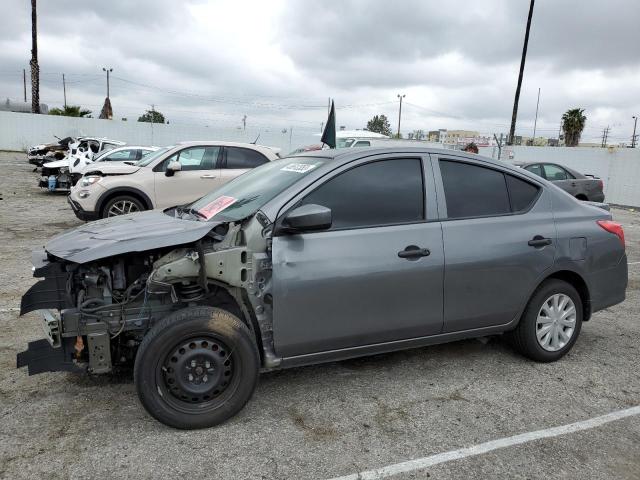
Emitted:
<point x="39" y="154"/>
<point x="583" y="187"/>
<point x="58" y="176"/>
<point x="171" y="176"/>
<point x="329" y="255"/>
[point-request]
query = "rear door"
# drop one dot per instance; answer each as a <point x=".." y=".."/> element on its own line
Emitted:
<point x="197" y="177"/>
<point x="351" y="285"/>
<point x="237" y="160"/>
<point x="562" y="178"/>
<point x="499" y="238"/>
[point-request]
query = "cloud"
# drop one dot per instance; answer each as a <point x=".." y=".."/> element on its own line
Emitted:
<point x="278" y="61"/>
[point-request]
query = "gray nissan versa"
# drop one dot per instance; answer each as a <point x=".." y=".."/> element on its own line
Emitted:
<point x="320" y="257"/>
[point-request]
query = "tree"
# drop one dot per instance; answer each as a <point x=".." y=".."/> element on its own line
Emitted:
<point x="70" y="111"/>
<point x="152" y="116"/>
<point x="573" y="122"/>
<point x="379" y="124"/>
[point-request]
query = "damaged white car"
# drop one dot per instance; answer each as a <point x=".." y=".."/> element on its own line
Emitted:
<point x="60" y="175"/>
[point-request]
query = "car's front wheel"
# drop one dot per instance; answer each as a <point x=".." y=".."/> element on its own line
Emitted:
<point x="551" y="322"/>
<point x="196" y="368"/>
<point x="121" y="205"/>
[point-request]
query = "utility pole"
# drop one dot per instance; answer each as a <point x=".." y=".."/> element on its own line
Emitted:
<point x="514" y="115"/>
<point x="499" y="142"/>
<point x="535" y="123"/>
<point x="64" y="91"/>
<point x="35" y="69"/>
<point x="290" y="134"/>
<point x="24" y="84"/>
<point x="400" y="112"/>
<point x="633" y="137"/>
<point x="108" y="70"/>
<point x="244" y="122"/>
<point x="605" y="134"/>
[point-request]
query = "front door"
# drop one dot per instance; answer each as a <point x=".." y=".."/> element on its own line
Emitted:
<point x="499" y="238"/>
<point x="197" y="177"/>
<point x="355" y="284"/>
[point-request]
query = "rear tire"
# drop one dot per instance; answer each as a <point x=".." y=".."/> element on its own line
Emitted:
<point x="121" y="205"/>
<point x="551" y="322"/>
<point x="196" y="368"/>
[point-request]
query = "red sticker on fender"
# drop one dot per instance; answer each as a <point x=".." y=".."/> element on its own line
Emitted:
<point x="218" y="205"/>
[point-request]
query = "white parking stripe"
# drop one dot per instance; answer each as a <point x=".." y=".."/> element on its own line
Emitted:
<point x="633" y="263"/>
<point x="425" y="462"/>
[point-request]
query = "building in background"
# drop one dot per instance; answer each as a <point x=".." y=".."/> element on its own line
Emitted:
<point x="21" y="107"/>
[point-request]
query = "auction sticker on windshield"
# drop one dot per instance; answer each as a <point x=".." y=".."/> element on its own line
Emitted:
<point x="216" y="206"/>
<point x="298" y="167"/>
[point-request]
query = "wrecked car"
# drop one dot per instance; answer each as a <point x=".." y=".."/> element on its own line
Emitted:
<point x="321" y="257"/>
<point x="60" y="175"/>
<point x="48" y="152"/>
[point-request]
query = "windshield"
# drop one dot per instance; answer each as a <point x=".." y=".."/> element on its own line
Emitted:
<point x="246" y="194"/>
<point x="152" y="156"/>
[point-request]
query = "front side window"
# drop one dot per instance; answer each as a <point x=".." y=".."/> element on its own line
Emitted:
<point x="363" y="143"/>
<point x="385" y="192"/>
<point x="244" y="158"/>
<point x="194" y="158"/>
<point x="555" y="173"/>
<point x="476" y="191"/>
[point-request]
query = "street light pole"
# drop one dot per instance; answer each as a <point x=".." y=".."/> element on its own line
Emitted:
<point x="400" y="113"/>
<point x="633" y="138"/>
<point x="535" y="123"/>
<point x="107" y="70"/>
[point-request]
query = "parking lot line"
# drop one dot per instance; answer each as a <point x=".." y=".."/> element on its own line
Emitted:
<point x="633" y="263"/>
<point x="425" y="462"/>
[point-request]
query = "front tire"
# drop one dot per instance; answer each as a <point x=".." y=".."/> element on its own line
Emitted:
<point x="122" y="205"/>
<point x="551" y="322"/>
<point x="196" y="368"/>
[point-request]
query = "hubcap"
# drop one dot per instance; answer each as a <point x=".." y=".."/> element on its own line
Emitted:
<point x="556" y="322"/>
<point x="198" y="370"/>
<point x="122" y="207"/>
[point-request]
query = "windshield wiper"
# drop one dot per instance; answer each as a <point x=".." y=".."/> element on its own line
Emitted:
<point x="196" y="213"/>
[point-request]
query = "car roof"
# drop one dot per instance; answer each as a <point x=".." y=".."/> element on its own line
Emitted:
<point x="222" y="143"/>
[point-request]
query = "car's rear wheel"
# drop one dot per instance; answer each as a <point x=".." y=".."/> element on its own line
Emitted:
<point x="196" y="368"/>
<point x="551" y="322"/>
<point x="121" y="205"/>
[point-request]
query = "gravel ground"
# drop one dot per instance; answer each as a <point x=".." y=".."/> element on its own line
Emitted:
<point x="324" y="421"/>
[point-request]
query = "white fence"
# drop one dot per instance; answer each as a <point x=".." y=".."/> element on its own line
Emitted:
<point x="21" y="130"/>
<point x="619" y="168"/>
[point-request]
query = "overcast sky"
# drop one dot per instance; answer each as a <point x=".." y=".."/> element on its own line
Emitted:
<point x="211" y="62"/>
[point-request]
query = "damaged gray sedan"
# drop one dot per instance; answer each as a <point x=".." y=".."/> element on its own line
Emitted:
<point x="321" y="257"/>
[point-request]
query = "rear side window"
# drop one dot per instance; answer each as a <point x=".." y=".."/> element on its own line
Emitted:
<point x="380" y="193"/>
<point x="244" y="158"/>
<point x="521" y="193"/>
<point x="475" y="191"/>
<point x="535" y="169"/>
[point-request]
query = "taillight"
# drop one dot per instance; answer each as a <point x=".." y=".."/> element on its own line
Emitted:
<point x="601" y="183"/>
<point x="612" y="227"/>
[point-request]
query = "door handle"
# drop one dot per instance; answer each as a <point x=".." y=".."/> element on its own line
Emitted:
<point x="207" y="176"/>
<point x="539" y="241"/>
<point x="413" y="252"/>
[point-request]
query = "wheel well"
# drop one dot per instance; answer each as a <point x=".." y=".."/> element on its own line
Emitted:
<point x="580" y="285"/>
<point x="129" y="193"/>
<point x="223" y="299"/>
<point x="581" y="196"/>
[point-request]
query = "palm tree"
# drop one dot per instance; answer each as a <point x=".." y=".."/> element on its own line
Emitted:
<point x="70" y="111"/>
<point x="573" y="122"/>
<point x="35" y="68"/>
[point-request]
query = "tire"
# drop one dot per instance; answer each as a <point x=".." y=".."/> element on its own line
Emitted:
<point x="219" y="361"/>
<point x="124" y="203"/>
<point x="534" y="322"/>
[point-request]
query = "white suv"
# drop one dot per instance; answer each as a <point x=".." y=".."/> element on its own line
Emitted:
<point x="174" y="175"/>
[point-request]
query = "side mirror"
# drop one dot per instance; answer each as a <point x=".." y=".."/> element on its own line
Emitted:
<point x="173" y="167"/>
<point x="307" y="218"/>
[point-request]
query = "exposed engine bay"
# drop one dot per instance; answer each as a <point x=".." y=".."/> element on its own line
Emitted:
<point x="95" y="314"/>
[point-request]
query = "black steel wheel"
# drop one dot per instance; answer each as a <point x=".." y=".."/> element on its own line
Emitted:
<point x="196" y="368"/>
